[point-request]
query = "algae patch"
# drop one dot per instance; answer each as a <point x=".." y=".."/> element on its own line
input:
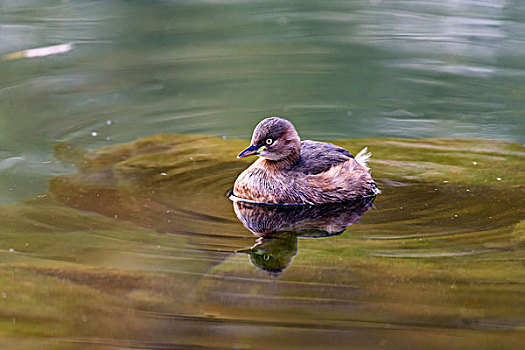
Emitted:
<point x="461" y="161"/>
<point x="140" y="242"/>
<point x="190" y="157"/>
<point x="519" y="234"/>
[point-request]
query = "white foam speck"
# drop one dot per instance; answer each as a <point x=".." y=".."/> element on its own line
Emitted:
<point x="47" y="51"/>
<point x="10" y="162"/>
<point x="39" y="52"/>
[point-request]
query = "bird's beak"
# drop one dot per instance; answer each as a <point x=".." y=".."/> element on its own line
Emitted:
<point x="250" y="151"/>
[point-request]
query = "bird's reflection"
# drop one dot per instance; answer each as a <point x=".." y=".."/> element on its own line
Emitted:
<point x="278" y="228"/>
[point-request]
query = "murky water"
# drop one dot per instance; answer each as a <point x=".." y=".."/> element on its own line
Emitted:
<point x="337" y="69"/>
<point x="138" y="246"/>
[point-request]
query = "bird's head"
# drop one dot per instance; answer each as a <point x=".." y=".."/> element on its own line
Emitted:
<point x="274" y="139"/>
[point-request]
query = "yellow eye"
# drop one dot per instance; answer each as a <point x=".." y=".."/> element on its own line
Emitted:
<point x="269" y="141"/>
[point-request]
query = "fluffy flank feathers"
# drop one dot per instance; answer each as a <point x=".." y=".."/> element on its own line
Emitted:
<point x="363" y="157"/>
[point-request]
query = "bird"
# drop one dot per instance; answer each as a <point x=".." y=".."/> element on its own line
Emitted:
<point x="291" y="171"/>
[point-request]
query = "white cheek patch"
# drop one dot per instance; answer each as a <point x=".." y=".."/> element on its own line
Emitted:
<point x="262" y="153"/>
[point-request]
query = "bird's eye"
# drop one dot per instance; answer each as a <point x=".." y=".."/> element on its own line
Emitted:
<point x="269" y="141"/>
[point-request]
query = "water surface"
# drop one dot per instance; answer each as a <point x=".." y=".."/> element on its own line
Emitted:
<point x="337" y="70"/>
<point x="138" y="246"/>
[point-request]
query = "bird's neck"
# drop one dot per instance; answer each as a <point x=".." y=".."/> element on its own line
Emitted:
<point x="286" y="162"/>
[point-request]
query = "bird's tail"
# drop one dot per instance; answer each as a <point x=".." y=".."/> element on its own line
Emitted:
<point x="363" y="157"/>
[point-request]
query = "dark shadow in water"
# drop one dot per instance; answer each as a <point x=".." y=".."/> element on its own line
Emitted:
<point x="278" y="228"/>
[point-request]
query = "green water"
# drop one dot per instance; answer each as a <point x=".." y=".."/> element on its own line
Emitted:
<point x="337" y="69"/>
<point x="136" y="244"/>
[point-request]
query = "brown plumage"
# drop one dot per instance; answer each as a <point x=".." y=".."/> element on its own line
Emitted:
<point x="291" y="171"/>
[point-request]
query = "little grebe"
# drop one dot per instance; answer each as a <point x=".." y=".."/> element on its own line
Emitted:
<point x="309" y="172"/>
